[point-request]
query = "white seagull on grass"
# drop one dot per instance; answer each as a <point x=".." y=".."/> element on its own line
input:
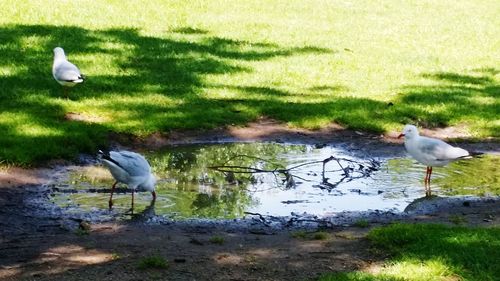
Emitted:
<point x="65" y="73"/>
<point x="131" y="169"/>
<point x="431" y="152"/>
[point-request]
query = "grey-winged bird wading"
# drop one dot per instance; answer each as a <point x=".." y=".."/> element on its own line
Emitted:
<point x="131" y="169"/>
<point x="431" y="152"/>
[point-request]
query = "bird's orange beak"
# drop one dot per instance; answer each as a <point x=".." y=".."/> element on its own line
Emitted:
<point x="401" y="135"/>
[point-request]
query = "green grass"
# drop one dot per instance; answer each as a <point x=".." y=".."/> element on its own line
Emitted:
<point x="299" y="234"/>
<point x="158" y="66"/>
<point x="362" y="223"/>
<point x="82" y="232"/>
<point x="154" y="261"/>
<point x="432" y="252"/>
<point x="317" y="235"/>
<point x="216" y="239"/>
<point x="320" y="235"/>
<point x="457" y="219"/>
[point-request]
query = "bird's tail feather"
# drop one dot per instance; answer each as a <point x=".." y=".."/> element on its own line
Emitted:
<point x="472" y="154"/>
<point x="103" y="154"/>
<point x="476" y="153"/>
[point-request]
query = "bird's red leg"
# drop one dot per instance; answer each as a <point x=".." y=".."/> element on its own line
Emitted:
<point x="111" y="196"/>
<point x="430" y="172"/>
<point x="132" y="200"/>
<point x="428" y="182"/>
<point x="426" y="175"/>
<point x="154" y="195"/>
<point x="427" y="188"/>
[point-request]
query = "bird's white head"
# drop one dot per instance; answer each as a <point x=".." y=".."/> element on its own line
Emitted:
<point x="59" y="53"/>
<point x="149" y="185"/>
<point x="409" y="132"/>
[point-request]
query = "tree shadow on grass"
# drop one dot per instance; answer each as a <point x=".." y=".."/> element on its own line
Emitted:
<point x="140" y="64"/>
<point x="129" y="71"/>
<point x="451" y="99"/>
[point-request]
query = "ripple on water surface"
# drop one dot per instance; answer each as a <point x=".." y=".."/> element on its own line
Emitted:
<point x="188" y="188"/>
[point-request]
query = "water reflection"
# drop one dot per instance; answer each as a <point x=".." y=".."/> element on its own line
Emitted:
<point x="189" y="188"/>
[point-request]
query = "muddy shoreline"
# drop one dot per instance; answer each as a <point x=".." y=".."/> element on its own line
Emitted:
<point x="42" y="241"/>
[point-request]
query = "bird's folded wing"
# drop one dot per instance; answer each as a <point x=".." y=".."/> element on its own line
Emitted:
<point x="134" y="163"/>
<point x="67" y="72"/>
<point x="433" y="149"/>
<point x="439" y="150"/>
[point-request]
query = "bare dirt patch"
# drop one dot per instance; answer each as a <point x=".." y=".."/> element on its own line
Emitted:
<point x="267" y="129"/>
<point x="43" y="248"/>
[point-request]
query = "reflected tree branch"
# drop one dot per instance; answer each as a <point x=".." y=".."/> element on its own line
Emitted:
<point x="349" y="170"/>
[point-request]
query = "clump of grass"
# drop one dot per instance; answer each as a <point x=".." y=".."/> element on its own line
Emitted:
<point x="82" y="232"/>
<point x="84" y="228"/>
<point x="457" y="220"/>
<point x="320" y="235"/>
<point x="155" y="261"/>
<point x="302" y="234"/>
<point x="362" y="223"/>
<point x="216" y="239"/>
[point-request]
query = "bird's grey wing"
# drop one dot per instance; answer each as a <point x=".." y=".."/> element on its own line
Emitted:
<point x="134" y="163"/>
<point x="67" y="71"/>
<point x="432" y="148"/>
<point x="440" y="150"/>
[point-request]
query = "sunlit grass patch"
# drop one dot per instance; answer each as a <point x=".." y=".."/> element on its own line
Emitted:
<point x="432" y="252"/>
<point x="195" y="65"/>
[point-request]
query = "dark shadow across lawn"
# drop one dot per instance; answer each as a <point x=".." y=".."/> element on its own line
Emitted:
<point x="34" y="125"/>
<point x="451" y="98"/>
<point x="175" y="65"/>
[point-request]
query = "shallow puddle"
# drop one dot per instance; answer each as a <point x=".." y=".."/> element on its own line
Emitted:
<point x="189" y="188"/>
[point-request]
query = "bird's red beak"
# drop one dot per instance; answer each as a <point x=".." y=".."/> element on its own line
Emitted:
<point x="401" y="135"/>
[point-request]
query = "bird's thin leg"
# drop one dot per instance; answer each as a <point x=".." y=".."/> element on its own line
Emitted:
<point x="429" y="179"/>
<point x="154" y="195"/>
<point x="426" y="175"/>
<point x="132" y="200"/>
<point x="65" y="90"/>
<point x="428" y="182"/>
<point x="427" y="189"/>
<point x="111" y="195"/>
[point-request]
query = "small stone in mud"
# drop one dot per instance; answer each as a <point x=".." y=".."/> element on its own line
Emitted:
<point x="466" y="204"/>
<point x="180" y="260"/>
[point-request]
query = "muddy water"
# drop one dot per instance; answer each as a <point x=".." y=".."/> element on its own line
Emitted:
<point x="189" y="188"/>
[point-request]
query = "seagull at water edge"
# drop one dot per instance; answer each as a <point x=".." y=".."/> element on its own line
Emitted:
<point x="64" y="72"/>
<point x="431" y="152"/>
<point x="131" y="169"/>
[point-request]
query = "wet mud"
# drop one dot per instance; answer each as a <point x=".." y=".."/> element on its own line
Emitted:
<point x="43" y="241"/>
